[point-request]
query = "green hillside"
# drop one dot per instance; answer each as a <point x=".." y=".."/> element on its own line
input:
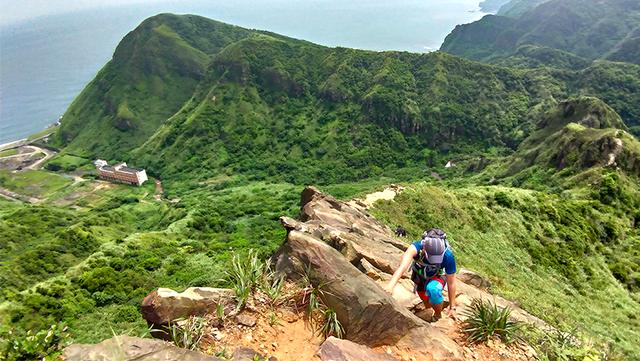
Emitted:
<point x="588" y="29"/>
<point x="544" y="195"/>
<point x="173" y="100"/>
<point x="154" y="70"/>
<point x="515" y="8"/>
<point x="558" y="229"/>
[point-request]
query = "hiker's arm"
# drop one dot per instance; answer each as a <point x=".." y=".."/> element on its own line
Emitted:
<point x="451" y="289"/>
<point x="407" y="258"/>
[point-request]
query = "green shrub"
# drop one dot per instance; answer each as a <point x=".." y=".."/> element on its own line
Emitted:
<point x="503" y="200"/>
<point x="486" y="320"/>
<point x="45" y="344"/>
<point x="271" y="285"/>
<point x="557" y="345"/>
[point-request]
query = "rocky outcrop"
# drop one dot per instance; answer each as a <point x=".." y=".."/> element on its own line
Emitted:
<point x="334" y="349"/>
<point x="164" y="305"/>
<point x="126" y="348"/>
<point x="368" y="314"/>
<point x="337" y="242"/>
<point x="474" y="279"/>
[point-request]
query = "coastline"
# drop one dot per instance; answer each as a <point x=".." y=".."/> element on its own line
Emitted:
<point x="14" y="144"/>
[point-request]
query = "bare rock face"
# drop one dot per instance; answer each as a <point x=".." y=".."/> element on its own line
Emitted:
<point x="247" y="354"/>
<point x="165" y="305"/>
<point x="334" y="349"/>
<point x="126" y="348"/>
<point x="474" y="279"/>
<point x="342" y="245"/>
<point x="368" y="314"/>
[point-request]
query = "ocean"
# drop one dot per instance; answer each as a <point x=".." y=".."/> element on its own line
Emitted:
<point x="45" y="62"/>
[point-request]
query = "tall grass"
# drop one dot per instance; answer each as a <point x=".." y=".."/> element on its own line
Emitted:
<point x="244" y="275"/>
<point x="187" y="333"/>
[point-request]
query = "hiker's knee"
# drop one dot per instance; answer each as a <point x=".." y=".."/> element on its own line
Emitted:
<point x="434" y="292"/>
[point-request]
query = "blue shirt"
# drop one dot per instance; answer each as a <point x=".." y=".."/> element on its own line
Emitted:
<point x="448" y="261"/>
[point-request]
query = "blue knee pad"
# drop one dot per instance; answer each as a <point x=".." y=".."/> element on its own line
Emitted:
<point x="434" y="291"/>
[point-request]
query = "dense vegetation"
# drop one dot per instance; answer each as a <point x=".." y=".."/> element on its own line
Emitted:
<point x="588" y="29"/>
<point x="235" y="122"/>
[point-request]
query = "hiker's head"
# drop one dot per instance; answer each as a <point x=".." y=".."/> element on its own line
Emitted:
<point x="434" y="244"/>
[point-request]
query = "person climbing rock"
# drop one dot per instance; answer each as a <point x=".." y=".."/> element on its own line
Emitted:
<point x="433" y="266"/>
<point x="401" y="232"/>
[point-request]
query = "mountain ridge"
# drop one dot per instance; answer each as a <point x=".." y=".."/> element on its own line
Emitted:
<point x="591" y="30"/>
<point x="262" y="82"/>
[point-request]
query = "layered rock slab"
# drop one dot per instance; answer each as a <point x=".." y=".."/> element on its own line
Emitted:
<point x="335" y="239"/>
<point x="126" y="348"/>
<point x="334" y="349"/>
<point x="165" y="305"/>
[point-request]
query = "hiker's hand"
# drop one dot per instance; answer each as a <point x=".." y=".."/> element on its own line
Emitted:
<point x="452" y="313"/>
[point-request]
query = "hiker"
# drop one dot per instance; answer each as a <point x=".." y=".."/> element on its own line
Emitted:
<point x="401" y="232"/>
<point x="433" y="266"/>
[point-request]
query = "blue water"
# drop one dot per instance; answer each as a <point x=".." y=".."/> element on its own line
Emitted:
<point x="45" y="62"/>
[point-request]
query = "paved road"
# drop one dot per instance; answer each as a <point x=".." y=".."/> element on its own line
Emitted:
<point x="34" y="149"/>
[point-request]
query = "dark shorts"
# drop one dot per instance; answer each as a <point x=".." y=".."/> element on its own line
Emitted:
<point x="431" y="292"/>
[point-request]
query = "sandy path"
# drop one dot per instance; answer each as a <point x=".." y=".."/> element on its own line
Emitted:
<point x="47" y="155"/>
<point x="387" y="194"/>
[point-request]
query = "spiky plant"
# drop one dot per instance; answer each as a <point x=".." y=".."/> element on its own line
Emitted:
<point x="486" y="320"/>
<point x="244" y="274"/>
<point x="271" y="285"/>
<point x="331" y="326"/>
<point x="187" y="333"/>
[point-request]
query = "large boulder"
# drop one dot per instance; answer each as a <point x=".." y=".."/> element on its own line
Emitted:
<point x="369" y="315"/>
<point x="334" y="349"/>
<point x="165" y="305"/>
<point x="126" y="348"/>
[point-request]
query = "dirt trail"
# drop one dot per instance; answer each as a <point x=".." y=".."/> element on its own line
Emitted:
<point x="47" y="155"/>
<point x="387" y="194"/>
<point x="159" y="191"/>
<point x="5" y="193"/>
<point x="26" y="154"/>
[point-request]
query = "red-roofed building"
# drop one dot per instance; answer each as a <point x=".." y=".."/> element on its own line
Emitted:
<point x="120" y="173"/>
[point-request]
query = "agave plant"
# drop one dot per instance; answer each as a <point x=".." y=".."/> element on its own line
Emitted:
<point x="486" y="320"/>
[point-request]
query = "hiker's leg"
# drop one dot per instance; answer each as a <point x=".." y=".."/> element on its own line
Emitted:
<point x="422" y="293"/>
<point x="437" y="311"/>
<point x="434" y="292"/>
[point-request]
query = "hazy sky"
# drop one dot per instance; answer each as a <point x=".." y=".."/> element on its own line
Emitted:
<point x="12" y="11"/>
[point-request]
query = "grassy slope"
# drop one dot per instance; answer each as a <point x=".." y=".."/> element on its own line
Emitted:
<point x="33" y="183"/>
<point x="545" y="251"/>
